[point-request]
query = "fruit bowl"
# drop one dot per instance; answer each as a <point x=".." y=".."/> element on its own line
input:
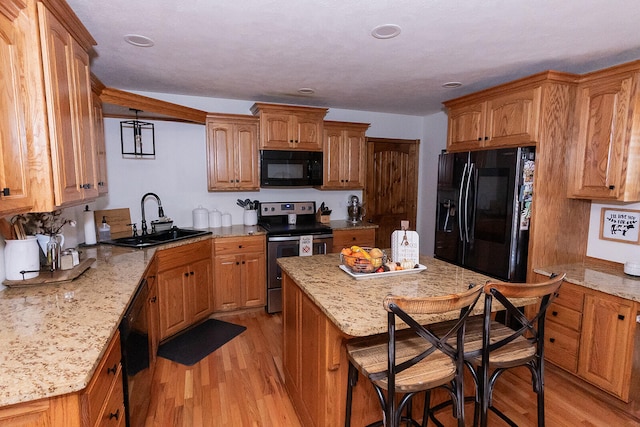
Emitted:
<point x="362" y="259"/>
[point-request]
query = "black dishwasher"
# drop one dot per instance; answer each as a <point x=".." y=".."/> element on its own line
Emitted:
<point x="136" y="348"/>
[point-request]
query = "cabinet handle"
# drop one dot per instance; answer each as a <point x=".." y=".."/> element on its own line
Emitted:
<point x="239" y="246"/>
<point x="115" y="415"/>
<point x="112" y="370"/>
<point x="552" y="340"/>
<point x="620" y="316"/>
<point x="554" y="313"/>
<point x="242" y="262"/>
<point x="153" y="299"/>
<point x="100" y="184"/>
<point x="237" y="262"/>
<point x="486" y="138"/>
<point x="186" y="274"/>
<point x="479" y="138"/>
<point x="291" y="141"/>
<point x="6" y="191"/>
<point x="612" y="187"/>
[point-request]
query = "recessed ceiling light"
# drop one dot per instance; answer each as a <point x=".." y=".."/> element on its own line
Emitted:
<point x="306" y="91"/>
<point x="138" y="40"/>
<point x="451" y="85"/>
<point x="386" y="31"/>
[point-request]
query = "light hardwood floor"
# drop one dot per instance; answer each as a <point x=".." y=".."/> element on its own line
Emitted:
<point x="240" y="385"/>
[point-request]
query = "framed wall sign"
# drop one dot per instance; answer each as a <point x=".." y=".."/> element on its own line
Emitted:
<point x="621" y="225"/>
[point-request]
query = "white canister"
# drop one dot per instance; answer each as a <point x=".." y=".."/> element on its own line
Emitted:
<point x="226" y="219"/>
<point x="22" y="255"/>
<point x="250" y="217"/>
<point x="215" y="219"/>
<point x="200" y="217"/>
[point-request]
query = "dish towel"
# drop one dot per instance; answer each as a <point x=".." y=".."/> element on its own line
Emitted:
<point x="306" y="245"/>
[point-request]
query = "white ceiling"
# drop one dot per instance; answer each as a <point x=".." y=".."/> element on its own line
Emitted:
<point x="265" y="50"/>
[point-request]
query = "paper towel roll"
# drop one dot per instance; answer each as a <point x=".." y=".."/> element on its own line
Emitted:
<point x="89" y="227"/>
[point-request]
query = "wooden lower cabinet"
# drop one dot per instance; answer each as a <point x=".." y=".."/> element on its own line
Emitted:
<point x="185" y="286"/>
<point x="349" y="237"/>
<point x="592" y="335"/>
<point x="240" y="273"/>
<point x="100" y="404"/>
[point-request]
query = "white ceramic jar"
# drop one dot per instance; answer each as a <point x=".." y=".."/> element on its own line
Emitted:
<point x="22" y="255"/>
<point x="215" y="218"/>
<point x="250" y="217"/>
<point x="200" y="218"/>
<point x="226" y="219"/>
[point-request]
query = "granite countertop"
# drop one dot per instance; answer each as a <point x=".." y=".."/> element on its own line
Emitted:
<point x="53" y="335"/>
<point x="348" y="225"/>
<point x="355" y="306"/>
<point x="604" y="277"/>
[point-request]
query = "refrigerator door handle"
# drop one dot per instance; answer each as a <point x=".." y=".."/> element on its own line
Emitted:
<point x="466" y="203"/>
<point x="460" y="209"/>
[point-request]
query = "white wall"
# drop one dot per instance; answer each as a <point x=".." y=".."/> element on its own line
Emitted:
<point x="606" y="249"/>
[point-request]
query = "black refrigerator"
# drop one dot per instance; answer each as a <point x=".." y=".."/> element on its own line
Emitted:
<point x="483" y="210"/>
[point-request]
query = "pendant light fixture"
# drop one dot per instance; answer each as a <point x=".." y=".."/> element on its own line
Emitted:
<point x="131" y="138"/>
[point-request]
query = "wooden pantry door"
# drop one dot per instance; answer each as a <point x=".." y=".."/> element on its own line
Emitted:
<point x="391" y="187"/>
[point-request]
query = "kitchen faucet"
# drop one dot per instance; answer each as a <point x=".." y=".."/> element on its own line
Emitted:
<point x="160" y="211"/>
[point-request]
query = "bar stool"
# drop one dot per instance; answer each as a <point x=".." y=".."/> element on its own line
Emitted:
<point x="415" y="359"/>
<point x="504" y="348"/>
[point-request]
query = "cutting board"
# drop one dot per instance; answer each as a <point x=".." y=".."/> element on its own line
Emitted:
<point x="58" y="276"/>
<point x="118" y="219"/>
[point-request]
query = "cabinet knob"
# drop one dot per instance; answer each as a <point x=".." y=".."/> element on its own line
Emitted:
<point x="113" y="369"/>
<point x="479" y="138"/>
<point x="620" y="316"/>
<point x="6" y="191"/>
<point x="612" y="187"/>
<point x="237" y="262"/>
<point x="186" y="274"/>
<point x="552" y="340"/>
<point x="153" y="299"/>
<point x="191" y="273"/>
<point x="554" y="313"/>
<point x="486" y="138"/>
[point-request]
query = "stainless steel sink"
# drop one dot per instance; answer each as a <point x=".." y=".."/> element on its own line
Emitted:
<point x="154" y="239"/>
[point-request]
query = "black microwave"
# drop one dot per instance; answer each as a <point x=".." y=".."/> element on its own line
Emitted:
<point x="290" y="168"/>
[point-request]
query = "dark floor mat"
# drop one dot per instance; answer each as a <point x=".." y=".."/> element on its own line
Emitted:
<point x="191" y="346"/>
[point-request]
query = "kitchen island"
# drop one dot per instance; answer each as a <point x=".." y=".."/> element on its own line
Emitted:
<point x="324" y="307"/>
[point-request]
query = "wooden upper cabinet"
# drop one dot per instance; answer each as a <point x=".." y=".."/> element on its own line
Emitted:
<point x="510" y="118"/>
<point x="344" y="155"/>
<point x="14" y="170"/>
<point x="69" y="110"/>
<point x="606" y="158"/>
<point x="99" y="146"/>
<point x="288" y="127"/>
<point x="232" y="152"/>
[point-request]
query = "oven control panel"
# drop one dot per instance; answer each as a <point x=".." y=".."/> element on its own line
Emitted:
<point x="285" y="208"/>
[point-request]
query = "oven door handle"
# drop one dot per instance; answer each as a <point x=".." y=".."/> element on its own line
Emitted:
<point x="297" y="238"/>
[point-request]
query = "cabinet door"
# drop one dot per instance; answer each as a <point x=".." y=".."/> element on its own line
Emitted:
<point x="466" y="127"/>
<point x="513" y="119"/>
<point x="602" y="138"/>
<point x="276" y="131"/>
<point x="14" y="170"/>
<point x="67" y="168"/>
<point x="174" y="301"/>
<point x="254" y="290"/>
<point x="354" y="159"/>
<point x="332" y="158"/>
<point x="227" y="293"/>
<point x="246" y="153"/>
<point x="200" y="289"/>
<point x="606" y="343"/>
<point x="99" y="146"/>
<point x="83" y="121"/>
<point x="221" y="163"/>
<point x="307" y="132"/>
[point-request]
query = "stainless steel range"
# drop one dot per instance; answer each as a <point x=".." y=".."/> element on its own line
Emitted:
<point x="286" y="223"/>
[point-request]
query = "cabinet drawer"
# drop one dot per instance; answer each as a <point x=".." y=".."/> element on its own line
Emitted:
<point x="360" y="237"/>
<point x="108" y="371"/>
<point x="113" y="414"/>
<point x="238" y="245"/>
<point x="561" y="346"/>
<point x="183" y="255"/>
<point x="570" y="296"/>
<point x="564" y="316"/>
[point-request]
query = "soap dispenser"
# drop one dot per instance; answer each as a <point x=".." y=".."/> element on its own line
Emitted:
<point x="105" y="230"/>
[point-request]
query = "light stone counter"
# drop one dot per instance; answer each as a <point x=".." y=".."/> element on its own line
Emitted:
<point x="355" y="306"/>
<point x="607" y="278"/>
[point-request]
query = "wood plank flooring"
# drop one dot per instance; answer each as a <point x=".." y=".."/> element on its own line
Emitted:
<point x="240" y="385"/>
